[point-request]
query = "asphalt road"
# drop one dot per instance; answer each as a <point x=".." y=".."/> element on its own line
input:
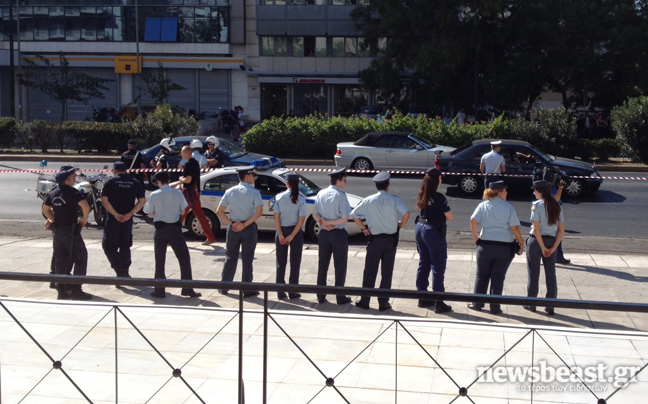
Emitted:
<point x="612" y="220"/>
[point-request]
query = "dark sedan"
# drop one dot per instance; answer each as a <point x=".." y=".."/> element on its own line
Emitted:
<point x="522" y="160"/>
<point x="234" y="154"/>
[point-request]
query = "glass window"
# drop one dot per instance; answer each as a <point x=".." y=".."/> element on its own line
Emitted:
<point x="308" y="2"/>
<point x="267" y="46"/>
<point x="298" y="46"/>
<point x="280" y="46"/>
<point x="320" y="47"/>
<point x="274" y="99"/>
<point x="314" y="46"/>
<point x="348" y="100"/>
<point x="363" y="48"/>
<point x="337" y="47"/>
<point x="351" y="46"/>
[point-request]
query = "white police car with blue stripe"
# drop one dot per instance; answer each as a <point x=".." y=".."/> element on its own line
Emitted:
<point x="270" y="181"/>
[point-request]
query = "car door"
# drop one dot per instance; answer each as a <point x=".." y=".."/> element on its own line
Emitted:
<point x="520" y="163"/>
<point x="269" y="187"/>
<point x="406" y="154"/>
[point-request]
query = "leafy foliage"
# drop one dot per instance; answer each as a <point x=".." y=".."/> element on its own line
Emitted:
<point x="152" y="128"/>
<point x="630" y="122"/>
<point x="316" y="136"/>
<point x="551" y="131"/>
<point x="64" y="84"/>
<point x="158" y="86"/>
<point x="7" y="134"/>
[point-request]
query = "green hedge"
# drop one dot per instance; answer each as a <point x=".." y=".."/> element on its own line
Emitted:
<point x="104" y="137"/>
<point x="630" y="122"/>
<point x="602" y="149"/>
<point x="7" y="134"/>
<point x="316" y="136"/>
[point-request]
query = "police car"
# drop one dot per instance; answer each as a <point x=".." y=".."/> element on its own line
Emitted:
<point x="270" y="181"/>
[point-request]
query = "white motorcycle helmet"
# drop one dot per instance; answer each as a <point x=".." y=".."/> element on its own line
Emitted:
<point x="196" y="144"/>
<point x="167" y="143"/>
<point x="213" y="140"/>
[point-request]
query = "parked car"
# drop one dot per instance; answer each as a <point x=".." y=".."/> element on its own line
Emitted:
<point x="522" y="159"/>
<point x="388" y="151"/>
<point x="269" y="182"/>
<point x="235" y="155"/>
<point x="129" y="111"/>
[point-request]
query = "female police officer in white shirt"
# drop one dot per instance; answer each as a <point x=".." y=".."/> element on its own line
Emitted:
<point x="547" y="230"/>
<point x="500" y="227"/>
<point x="290" y="211"/>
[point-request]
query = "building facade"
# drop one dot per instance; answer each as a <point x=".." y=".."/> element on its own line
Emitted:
<point x="269" y="56"/>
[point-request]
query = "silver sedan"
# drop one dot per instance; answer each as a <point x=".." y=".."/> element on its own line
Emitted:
<point x="388" y="151"/>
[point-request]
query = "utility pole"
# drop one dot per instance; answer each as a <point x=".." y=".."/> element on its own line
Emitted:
<point x="12" y="76"/>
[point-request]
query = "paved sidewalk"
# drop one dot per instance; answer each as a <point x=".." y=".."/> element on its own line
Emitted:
<point x="366" y="354"/>
<point x="616" y="278"/>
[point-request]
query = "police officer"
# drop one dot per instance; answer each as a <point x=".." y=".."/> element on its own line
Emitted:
<point x="161" y="160"/>
<point x="385" y="214"/>
<point x="500" y="227"/>
<point x="430" y="234"/>
<point x="190" y="181"/>
<point x="165" y="206"/>
<point x="245" y="207"/>
<point x="134" y="161"/>
<point x="119" y="196"/>
<point x="214" y="156"/>
<point x="492" y="163"/>
<point x="331" y="210"/>
<point x="196" y="147"/>
<point x="61" y="210"/>
<point x="290" y="212"/>
<point x="48" y="226"/>
<point x="547" y="231"/>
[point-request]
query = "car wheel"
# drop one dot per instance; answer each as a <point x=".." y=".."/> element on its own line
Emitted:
<point x="469" y="185"/>
<point x="312" y="229"/>
<point x="362" y="164"/>
<point x="194" y="227"/>
<point x="575" y="188"/>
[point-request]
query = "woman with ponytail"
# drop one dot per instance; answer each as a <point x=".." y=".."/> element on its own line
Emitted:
<point x="289" y="215"/>
<point x="547" y="231"/>
<point x="430" y="234"/>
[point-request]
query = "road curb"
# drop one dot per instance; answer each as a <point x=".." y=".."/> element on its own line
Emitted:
<point x="289" y="162"/>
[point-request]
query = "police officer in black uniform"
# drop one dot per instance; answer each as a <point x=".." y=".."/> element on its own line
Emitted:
<point x="61" y="209"/>
<point x="134" y="161"/>
<point x="118" y="198"/>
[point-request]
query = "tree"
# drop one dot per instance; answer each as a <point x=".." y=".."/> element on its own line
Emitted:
<point x="158" y="86"/>
<point x="64" y="84"/>
<point x="506" y="53"/>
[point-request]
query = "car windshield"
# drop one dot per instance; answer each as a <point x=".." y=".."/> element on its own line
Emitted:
<point x="423" y="142"/>
<point x="230" y="150"/>
<point x="306" y="186"/>
<point x="544" y="155"/>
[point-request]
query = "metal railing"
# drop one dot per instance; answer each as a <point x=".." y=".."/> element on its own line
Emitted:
<point x="279" y="319"/>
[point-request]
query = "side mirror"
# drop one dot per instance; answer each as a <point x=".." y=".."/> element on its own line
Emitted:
<point x="419" y="147"/>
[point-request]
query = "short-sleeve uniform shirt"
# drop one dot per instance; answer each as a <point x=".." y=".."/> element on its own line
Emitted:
<point x="331" y="203"/>
<point x="242" y="200"/>
<point x="382" y="212"/>
<point x="539" y="214"/>
<point x="64" y="200"/>
<point x="496" y="216"/>
<point x="122" y="191"/>
<point x="290" y="212"/>
<point x="435" y="209"/>
<point x="492" y="163"/>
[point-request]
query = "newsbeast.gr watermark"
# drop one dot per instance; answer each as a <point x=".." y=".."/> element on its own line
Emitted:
<point x="617" y="376"/>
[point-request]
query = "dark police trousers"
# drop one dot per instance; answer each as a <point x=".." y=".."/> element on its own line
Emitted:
<point x="170" y="234"/>
<point x="380" y="250"/>
<point x="295" y="246"/>
<point x="117" y="241"/>
<point x="534" y="254"/>
<point x="334" y="242"/>
<point x="433" y="256"/>
<point x="493" y="260"/>
<point x="70" y="251"/>
<point x="245" y="241"/>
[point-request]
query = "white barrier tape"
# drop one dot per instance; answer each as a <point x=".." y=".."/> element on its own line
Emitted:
<point x="454" y="173"/>
<point x="402" y="172"/>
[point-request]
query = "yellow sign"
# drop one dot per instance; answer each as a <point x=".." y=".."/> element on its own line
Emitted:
<point x="127" y="64"/>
